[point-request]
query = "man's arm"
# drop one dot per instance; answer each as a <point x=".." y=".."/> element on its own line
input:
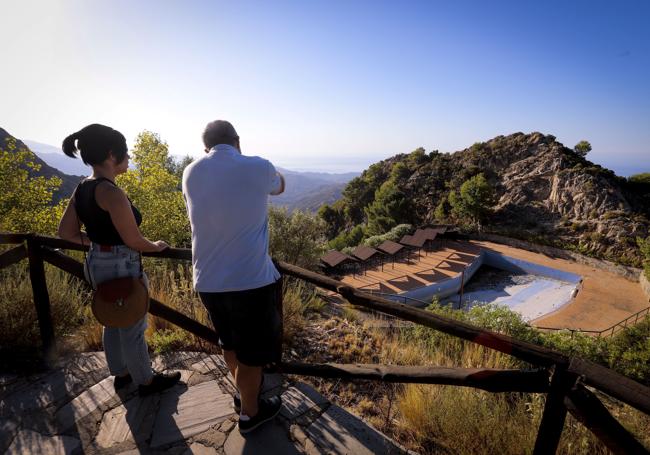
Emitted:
<point x="280" y="190"/>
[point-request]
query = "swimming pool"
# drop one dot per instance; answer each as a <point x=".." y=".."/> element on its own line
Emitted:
<point x="532" y="290"/>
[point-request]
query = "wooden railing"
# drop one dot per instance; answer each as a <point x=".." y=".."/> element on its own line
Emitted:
<point x="564" y="379"/>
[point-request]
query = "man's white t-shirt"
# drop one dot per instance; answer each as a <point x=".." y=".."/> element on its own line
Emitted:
<point x="227" y="202"/>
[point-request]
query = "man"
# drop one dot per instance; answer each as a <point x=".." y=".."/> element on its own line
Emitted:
<point x="227" y="201"/>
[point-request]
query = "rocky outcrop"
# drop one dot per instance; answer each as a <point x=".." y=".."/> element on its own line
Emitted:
<point x="557" y="195"/>
<point x="545" y="193"/>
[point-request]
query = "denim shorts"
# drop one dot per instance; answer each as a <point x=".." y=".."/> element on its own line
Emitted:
<point x="121" y="261"/>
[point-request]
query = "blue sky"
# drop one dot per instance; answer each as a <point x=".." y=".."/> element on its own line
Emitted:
<point x="333" y="85"/>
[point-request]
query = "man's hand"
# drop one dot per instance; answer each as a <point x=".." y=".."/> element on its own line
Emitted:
<point x="281" y="189"/>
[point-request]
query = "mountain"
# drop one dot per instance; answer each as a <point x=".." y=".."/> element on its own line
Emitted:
<point x="309" y="190"/>
<point x="545" y="193"/>
<point x="55" y="157"/>
<point x="68" y="182"/>
<point x="304" y="190"/>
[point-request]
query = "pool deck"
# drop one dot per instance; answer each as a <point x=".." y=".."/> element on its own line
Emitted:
<point x="604" y="299"/>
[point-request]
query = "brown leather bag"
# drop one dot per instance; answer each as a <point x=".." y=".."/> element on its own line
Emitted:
<point x="120" y="302"/>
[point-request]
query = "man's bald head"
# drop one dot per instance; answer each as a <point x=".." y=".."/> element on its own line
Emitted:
<point x="220" y="132"/>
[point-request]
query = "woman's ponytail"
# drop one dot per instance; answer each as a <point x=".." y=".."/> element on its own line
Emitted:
<point x="69" y="147"/>
<point x="95" y="143"/>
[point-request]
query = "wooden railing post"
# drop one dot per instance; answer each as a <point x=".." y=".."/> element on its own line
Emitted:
<point x="552" y="424"/>
<point x="41" y="298"/>
<point x="588" y="409"/>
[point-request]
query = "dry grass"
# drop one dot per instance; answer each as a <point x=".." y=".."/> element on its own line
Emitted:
<point x="439" y="419"/>
<point x="77" y="330"/>
<point x="20" y="338"/>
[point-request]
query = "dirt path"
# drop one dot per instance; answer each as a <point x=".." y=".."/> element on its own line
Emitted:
<point x="604" y="300"/>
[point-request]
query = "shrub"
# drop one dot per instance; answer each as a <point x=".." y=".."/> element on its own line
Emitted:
<point x="348" y="238"/>
<point x="394" y="234"/>
<point x="297" y="237"/>
<point x="167" y="340"/>
<point x="629" y="351"/>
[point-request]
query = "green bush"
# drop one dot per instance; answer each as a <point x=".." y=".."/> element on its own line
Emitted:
<point x="297" y="237"/>
<point x="168" y="340"/>
<point x="644" y="247"/>
<point x="628" y="352"/>
<point x="347" y="238"/>
<point x="394" y="234"/>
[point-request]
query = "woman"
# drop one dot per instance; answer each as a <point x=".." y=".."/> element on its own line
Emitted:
<point x="115" y="240"/>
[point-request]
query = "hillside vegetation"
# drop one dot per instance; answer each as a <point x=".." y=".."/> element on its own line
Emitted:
<point x="40" y="168"/>
<point x="542" y="191"/>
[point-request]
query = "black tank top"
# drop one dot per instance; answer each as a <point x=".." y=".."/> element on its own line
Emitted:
<point x="99" y="226"/>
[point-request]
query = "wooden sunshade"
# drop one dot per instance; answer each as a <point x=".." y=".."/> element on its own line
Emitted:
<point x="431" y="233"/>
<point x="390" y="247"/>
<point x="363" y="253"/>
<point x="412" y="241"/>
<point x="334" y="258"/>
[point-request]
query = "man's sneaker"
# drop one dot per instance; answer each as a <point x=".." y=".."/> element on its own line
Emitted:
<point x="122" y="381"/>
<point x="268" y="408"/>
<point x="160" y="382"/>
<point x="236" y="399"/>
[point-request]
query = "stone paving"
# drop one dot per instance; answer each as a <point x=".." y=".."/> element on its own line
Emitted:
<point x="74" y="409"/>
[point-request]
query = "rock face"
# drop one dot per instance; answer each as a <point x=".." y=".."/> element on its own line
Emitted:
<point x="545" y="192"/>
<point x="553" y="192"/>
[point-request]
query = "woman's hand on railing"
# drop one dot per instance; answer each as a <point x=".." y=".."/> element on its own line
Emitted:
<point x="161" y="244"/>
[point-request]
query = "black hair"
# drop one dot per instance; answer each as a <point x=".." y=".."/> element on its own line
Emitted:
<point x="94" y="142"/>
<point x="219" y="132"/>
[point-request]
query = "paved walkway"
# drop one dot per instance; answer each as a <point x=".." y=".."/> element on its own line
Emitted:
<point x="604" y="300"/>
<point x="74" y="409"/>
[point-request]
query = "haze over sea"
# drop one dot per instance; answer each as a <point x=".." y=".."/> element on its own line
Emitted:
<point x="334" y="86"/>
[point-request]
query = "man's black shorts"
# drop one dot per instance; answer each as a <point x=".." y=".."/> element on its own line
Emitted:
<point x="248" y="322"/>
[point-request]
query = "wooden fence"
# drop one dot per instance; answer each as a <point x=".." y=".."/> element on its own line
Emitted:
<point x="564" y="379"/>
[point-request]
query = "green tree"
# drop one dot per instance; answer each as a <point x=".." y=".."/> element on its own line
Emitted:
<point x="644" y="246"/>
<point x="389" y="208"/>
<point x="440" y="213"/>
<point x="400" y="173"/>
<point x="417" y="158"/>
<point x="177" y="165"/>
<point x="353" y="237"/>
<point x="26" y="202"/>
<point x="297" y="237"/>
<point x="360" y="191"/>
<point x="474" y="201"/>
<point x="334" y="218"/>
<point x="155" y="190"/>
<point x="582" y="148"/>
<point x="643" y="178"/>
